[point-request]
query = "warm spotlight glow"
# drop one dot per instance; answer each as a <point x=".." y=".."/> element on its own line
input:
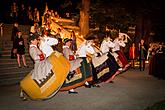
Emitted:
<point x="76" y="33"/>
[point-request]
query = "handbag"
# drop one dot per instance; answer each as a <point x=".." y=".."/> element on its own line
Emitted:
<point x="14" y="51"/>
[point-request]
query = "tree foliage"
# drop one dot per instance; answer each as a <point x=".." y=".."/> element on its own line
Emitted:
<point x="110" y="13"/>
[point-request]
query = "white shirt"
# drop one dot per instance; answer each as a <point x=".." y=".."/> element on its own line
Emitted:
<point x="118" y="43"/>
<point x="105" y="45"/>
<point x="45" y="45"/>
<point x="84" y="49"/>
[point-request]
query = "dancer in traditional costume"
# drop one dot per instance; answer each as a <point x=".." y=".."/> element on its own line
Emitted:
<point x="84" y="49"/>
<point x="41" y="66"/>
<point x="119" y="42"/>
<point x="105" y="66"/>
<point x="48" y="75"/>
<point x="74" y="62"/>
<point x="83" y="74"/>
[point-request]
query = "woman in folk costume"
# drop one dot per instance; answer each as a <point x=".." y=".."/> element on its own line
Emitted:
<point x="109" y="63"/>
<point x="84" y="49"/>
<point x="75" y="64"/>
<point x="120" y="42"/>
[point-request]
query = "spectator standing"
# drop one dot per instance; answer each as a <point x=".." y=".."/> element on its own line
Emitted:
<point x="14" y="12"/>
<point x="30" y="15"/>
<point x="23" y="17"/>
<point x="142" y="54"/>
<point x="36" y="15"/>
<point x="13" y="36"/>
<point x="19" y="45"/>
<point x="132" y="54"/>
<point x="75" y="63"/>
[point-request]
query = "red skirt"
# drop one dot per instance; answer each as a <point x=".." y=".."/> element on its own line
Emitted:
<point x="122" y="58"/>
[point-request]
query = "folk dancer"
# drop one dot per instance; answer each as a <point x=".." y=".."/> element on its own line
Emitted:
<point x="75" y="62"/>
<point x="84" y="49"/>
<point x="41" y="66"/>
<point x="113" y="66"/>
<point x="119" y="42"/>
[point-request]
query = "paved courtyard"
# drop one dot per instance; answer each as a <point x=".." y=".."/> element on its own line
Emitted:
<point x="132" y="90"/>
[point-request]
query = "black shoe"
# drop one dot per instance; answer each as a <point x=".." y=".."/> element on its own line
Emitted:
<point x="87" y="86"/>
<point x="12" y="57"/>
<point x="26" y="66"/>
<point x="72" y="92"/>
<point x="68" y="77"/>
<point x="111" y="82"/>
<point x="22" y="97"/>
<point x="95" y="85"/>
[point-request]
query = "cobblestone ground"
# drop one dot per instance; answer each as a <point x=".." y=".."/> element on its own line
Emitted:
<point x="132" y="90"/>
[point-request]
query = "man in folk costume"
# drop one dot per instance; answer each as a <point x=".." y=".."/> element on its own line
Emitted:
<point x="42" y="66"/>
<point x="83" y="74"/>
<point x="119" y="42"/>
<point x="75" y="63"/>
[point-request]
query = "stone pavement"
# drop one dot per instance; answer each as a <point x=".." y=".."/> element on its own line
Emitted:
<point x="132" y="90"/>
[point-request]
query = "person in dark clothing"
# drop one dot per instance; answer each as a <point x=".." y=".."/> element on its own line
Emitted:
<point x="13" y="36"/>
<point x="160" y="62"/>
<point x="14" y="31"/>
<point x="142" y="54"/>
<point x="19" y="45"/>
<point x="23" y="16"/>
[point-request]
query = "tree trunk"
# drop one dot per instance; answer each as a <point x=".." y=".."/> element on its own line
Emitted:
<point x="84" y="18"/>
<point x="143" y="28"/>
